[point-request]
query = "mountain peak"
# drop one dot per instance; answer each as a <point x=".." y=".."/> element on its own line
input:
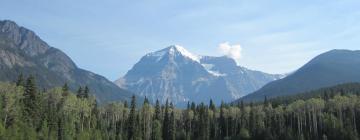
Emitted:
<point x="7" y="23"/>
<point x="174" y="50"/>
<point x="177" y="75"/>
<point x="23" y="38"/>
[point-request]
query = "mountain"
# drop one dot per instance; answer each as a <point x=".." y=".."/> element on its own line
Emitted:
<point x="176" y="74"/>
<point x="328" y="69"/>
<point x="22" y="51"/>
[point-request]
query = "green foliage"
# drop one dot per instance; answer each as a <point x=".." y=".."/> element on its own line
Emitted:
<point x="131" y="130"/>
<point x="20" y="81"/>
<point x="156" y="130"/>
<point x="26" y="113"/>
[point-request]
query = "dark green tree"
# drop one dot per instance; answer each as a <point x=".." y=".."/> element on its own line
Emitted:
<point x="86" y="92"/>
<point x="166" y="122"/>
<point x="31" y="102"/>
<point x="157" y="111"/>
<point x="131" y="128"/>
<point x="65" y="90"/>
<point x="20" y="80"/>
<point x="172" y="126"/>
<point x="212" y="105"/>
<point x="80" y="92"/>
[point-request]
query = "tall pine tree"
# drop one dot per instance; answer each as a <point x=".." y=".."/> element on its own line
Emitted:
<point x="157" y="111"/>
<point x="20" y="81"/>
<point x="31" y="108"/>
<point x="86" y="92"/>
<point x="166" y="122"/>
<point x="132" y="120"/>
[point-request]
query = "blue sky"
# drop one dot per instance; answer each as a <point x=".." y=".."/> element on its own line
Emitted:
<point x="109" y="36"/>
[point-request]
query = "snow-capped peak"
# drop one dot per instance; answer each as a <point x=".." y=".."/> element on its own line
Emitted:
<point x="172" y="50"/>
<point x="186" y="53"/>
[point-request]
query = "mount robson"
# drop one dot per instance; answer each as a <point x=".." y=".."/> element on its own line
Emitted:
<point x="22" y="51"/>
<point x="179" y="76"/>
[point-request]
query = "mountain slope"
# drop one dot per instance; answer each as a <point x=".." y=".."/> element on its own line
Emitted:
<point x="328" y="69"/>
<point x="176" y="74"/>
<point x="22" y="51"/>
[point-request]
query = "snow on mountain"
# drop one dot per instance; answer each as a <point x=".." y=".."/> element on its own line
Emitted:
<point x="186" y="53"/>
<point x="209" y="67"/>
<point x="174" y="50"/>
<point x="180" y="76"/>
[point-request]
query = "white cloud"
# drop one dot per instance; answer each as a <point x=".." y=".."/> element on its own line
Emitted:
<point x="232" y="51"/>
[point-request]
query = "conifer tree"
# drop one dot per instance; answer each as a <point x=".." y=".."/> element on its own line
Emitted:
<point x="20" y="81"/>
<point x="30" y="101"/>
<point x="86" y="92"/>
<point x="222" y="122"/>
<point x="126" y="104"/>
<point x="166" y="122"/>
<point x="266" y="102"/>
<point x="65" y="90"/>
<point x="212" y="105"/>
<point x="132" y="120"/>
<point x="80" y="92"/>
<point x="146" y="100"/>
<point x="172" y="126"/>
<point x="157" y="111"/>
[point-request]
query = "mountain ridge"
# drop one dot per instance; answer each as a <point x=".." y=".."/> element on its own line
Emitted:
<point x="22" y="51"/>
<point x="334" y="67"/>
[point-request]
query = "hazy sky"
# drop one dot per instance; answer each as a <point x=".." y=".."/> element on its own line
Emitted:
<point x="109" y="36"/>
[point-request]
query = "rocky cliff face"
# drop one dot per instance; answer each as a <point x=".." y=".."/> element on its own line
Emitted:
<point x="22" y="51"/>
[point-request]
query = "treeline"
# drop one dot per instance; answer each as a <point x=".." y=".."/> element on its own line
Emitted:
<point x="28" y="113"/>
<point x="325" y="93"/>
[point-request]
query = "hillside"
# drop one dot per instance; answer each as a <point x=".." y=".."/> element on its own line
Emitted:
<point x="328" y="69"/>
<point x="22" y="51"/>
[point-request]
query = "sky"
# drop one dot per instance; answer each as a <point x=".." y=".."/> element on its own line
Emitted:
<point x="109" y="36"/>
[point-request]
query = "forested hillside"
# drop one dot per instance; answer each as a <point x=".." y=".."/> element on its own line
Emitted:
<point x="327" y="69"/>
<point x="29" y="113"/>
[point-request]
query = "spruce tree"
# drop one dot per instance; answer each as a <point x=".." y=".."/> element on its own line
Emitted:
<point x="30" y="101"/>
<point x="193" y="106"/>
<point x="126" y="104"/>
<point x="86" y="92"/>
<point x="20" y="81"/>
<point x="157" y="111"/>
<point x="222" y="122"/>
<point x="212" y="105"/>
<point x="80" y="92"/>
<point x="65" y="90"/>
<point x="146" y="100"/>
<point x="266" y="102"/>
<point x="172" y="126"/>
<point x="166" y="122"/>
<point x="132" y="120"/>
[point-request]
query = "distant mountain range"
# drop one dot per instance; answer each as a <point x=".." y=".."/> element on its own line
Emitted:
<point x="22" y="51"/>
<point x="328" y="69"/>
<point x="176" y="74"/>
<point x="173" y="73"/>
